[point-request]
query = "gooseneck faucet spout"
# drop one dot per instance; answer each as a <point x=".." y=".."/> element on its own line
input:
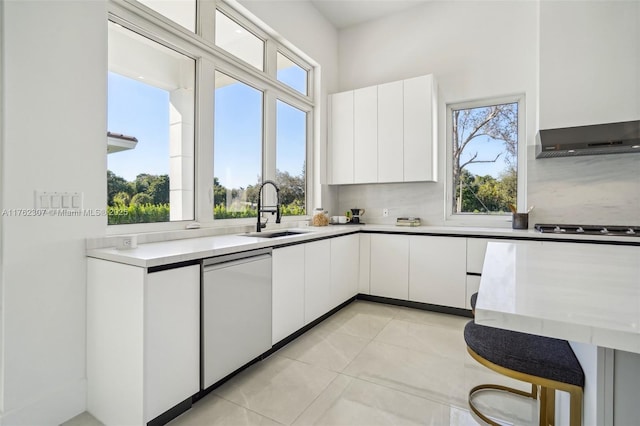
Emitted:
<point x="268" y="209"/>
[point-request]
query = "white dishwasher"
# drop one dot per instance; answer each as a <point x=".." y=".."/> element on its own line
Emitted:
<point x="236" y="312"/>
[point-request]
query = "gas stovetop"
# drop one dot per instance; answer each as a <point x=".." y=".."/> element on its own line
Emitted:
<point x="617" y="230"/>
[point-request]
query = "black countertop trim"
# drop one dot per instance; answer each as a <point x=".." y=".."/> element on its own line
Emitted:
<point x="507" y="237"/>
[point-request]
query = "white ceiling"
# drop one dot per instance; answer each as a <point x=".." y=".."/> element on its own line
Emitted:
<point x="347" y="13"/>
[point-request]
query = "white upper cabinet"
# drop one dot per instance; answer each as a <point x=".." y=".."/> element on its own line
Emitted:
<point x="341" y="150"/>
<point x="420" y="130"/>
<point x="390" y="132"/>
<point x="365" y="135"/>
<point x="384" y="133"/>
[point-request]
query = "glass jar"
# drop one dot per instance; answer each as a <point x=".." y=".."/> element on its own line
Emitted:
<point x="320" y="217"/>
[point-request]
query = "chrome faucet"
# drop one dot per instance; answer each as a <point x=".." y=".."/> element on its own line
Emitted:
<point x="268" y="209"/>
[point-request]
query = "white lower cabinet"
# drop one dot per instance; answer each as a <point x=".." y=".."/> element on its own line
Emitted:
<point x="317" y="277"/>
<point x="345" y="253"/>
<point x="390" y="266"/>
<point x="143" y="340"/>
<point x="427" y="269"/>
<point x="288" y="274"/>
<point x="365" y="264"/>
<point x="473" y="285"/>
<point x="437" y="270"/>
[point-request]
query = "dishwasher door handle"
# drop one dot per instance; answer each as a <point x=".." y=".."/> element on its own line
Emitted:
<point x="230" y="263"/>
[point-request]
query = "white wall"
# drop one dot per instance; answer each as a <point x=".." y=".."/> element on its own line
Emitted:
<point x="475" y="50"/>
<point x="589" y="74"/>
<point x="54" y="140"/>
<point x="304" y="27"/>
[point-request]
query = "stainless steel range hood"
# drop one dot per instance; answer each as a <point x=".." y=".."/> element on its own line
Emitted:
<point x="611" y="138"/>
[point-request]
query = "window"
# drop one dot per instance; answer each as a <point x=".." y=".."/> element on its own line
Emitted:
<point x="192" y="130"/>
<point x="292" y="74"/>
<point x="484" y="139"/>
<point x="182" y="12"/>
<point x="238" y="41"/>
<point x="291" y="143"/>
<point x="150" y="142"/>
<point x="237" y="148"/>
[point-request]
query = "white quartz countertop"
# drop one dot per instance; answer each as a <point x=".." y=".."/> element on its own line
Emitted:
<point x="187" y="249"/>
<point x="587" y="293"/>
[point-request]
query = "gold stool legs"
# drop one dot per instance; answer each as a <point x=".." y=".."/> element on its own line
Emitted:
<point x="533" y="394"/>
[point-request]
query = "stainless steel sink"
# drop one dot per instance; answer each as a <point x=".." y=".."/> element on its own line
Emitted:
<point x="275" y="233"/>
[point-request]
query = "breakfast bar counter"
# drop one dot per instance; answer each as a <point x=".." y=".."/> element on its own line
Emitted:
<point x="588" y="294"/>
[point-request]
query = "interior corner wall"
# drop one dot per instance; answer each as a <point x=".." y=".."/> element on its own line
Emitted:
<point x="2" y="38"/>
<point x="303" y="26"/>
<point x="54" y="94"/>
<point x="475" y="50"/>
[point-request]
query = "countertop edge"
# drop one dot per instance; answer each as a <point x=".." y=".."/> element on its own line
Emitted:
<point x="189" y="249"/>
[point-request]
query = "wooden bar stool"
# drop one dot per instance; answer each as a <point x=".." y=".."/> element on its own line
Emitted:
<point x="542" y="361"/>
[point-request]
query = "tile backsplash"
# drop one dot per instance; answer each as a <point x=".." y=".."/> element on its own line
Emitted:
<point x="596" y="189"/>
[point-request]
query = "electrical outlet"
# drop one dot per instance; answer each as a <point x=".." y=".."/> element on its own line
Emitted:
<point x="385" y="212"/>
<point x="126" y="242"/>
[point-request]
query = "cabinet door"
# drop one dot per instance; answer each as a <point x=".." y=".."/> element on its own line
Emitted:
<point x="317" y="277"/>
<point x="420" y="129"/>
<point x="344" y="268"/>
<point x="365" y="264"/>
<point x="172" y="338"/>
<point x="365" y="135"/>
<point x="437" y="270"/>
<point x="476" y="248"/>
<point x="390" y="266"/>
<point x="341" y="138"/>
<point x="473" y="285"/>
<point x="287" y="291"/>
<point x="390" y="132"/>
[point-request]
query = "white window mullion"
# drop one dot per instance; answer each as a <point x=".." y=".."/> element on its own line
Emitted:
<point x="269" y="142"/>
<point x="204" y="140"/>
<point x="271" y="63"/>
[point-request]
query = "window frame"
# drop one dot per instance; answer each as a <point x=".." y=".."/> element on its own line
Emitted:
<point x="491" y="220"/>
<point x="200" y="46"/>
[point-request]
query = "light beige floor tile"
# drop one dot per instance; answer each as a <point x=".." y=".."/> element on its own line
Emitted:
<point x="453" y="322"/>
<point x="278" y="388"/>
<point x="372" y="308"/>
<point x="420" y="374"/>
<point x="360" y="319"/>
<point x="427" y="338"/>
<point x="215" y="411"/>
<point x="353" y="402"/>
<point x="83" y="419"/>
<point x="333" y="351"/>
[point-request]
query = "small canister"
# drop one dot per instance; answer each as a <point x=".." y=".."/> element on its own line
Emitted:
<point x="320" y="217"/>
<point x="520" y="221"/>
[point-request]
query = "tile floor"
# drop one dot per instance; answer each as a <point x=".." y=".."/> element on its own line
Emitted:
<point x="369" y="364"/>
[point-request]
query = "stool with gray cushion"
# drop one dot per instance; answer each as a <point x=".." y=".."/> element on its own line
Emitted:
<point x="542" y="361"/>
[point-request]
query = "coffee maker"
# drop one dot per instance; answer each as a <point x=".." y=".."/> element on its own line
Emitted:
<point x="355" y="215"/>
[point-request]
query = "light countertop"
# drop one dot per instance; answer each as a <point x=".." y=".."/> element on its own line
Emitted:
<point x="587" y="293"/>
<point x="187" y="249"/>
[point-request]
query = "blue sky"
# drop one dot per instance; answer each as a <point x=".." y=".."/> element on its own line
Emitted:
<point x="140" y="110"/>
<point x="487" y="149"/>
